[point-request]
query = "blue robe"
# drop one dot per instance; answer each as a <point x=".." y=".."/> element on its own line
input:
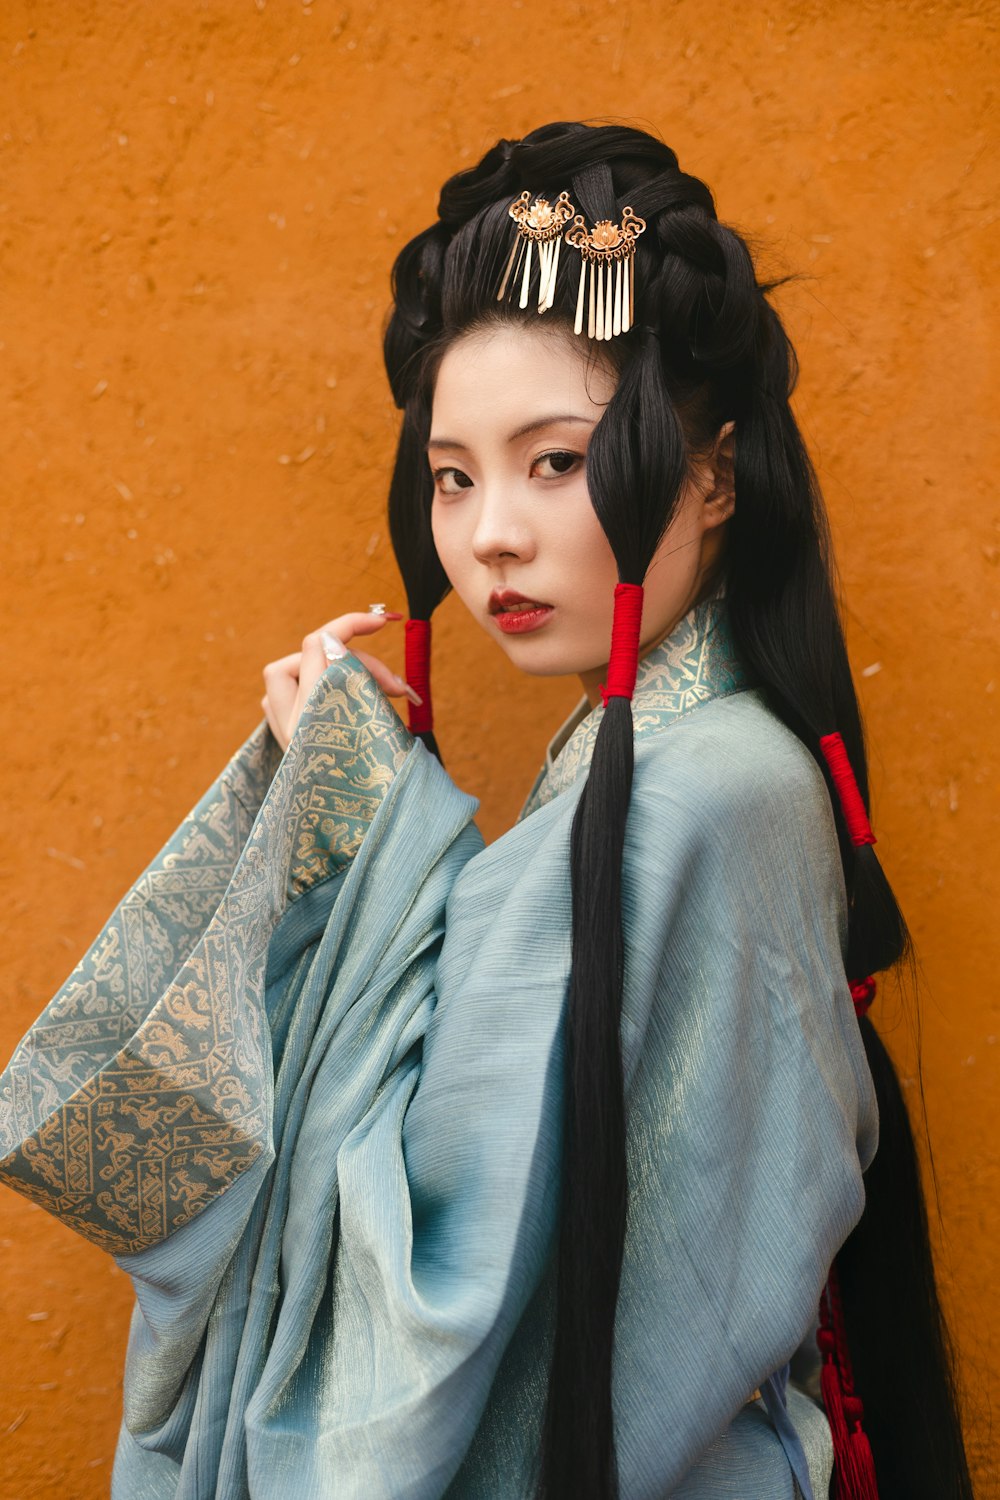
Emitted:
<point x="306" y="1087"/>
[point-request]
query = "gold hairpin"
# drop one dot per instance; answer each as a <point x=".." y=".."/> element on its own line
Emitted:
<point x="609" y="251"/>
<point x="538" y="223"/>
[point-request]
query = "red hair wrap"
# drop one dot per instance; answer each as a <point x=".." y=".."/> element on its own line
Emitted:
<point x="418" y="673"/>
<point x="624" y="659"/>
<point x="858" y="826"/>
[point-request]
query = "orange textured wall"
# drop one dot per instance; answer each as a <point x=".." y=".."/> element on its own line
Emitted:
<point x="199" y="205"/>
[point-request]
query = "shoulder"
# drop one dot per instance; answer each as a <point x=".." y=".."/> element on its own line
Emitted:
<point x="730" y="806"/>
<point x="731" y="841"/>
<point x="729" y="761"/>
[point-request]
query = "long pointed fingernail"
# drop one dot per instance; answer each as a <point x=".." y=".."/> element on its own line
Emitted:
<point x="333" y="646"/>
<point x="413" y="695"/>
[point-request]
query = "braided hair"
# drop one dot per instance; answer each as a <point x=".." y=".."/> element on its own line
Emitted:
<point x="706" y="348"/>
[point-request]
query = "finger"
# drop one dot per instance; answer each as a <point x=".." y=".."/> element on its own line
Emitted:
<point x="390" y="682"/>
<point x="272" y="723"/>
<point x="289" y="663"/>
<point x="357" y="623"/>
<point x="281" y="679"/>
<point x="344" y="627"/>
<point x="314" y="662"/>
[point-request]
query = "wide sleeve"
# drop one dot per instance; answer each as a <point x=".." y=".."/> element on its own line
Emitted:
<point x="144" y="1090"/>
<point x="750" y="1119"/>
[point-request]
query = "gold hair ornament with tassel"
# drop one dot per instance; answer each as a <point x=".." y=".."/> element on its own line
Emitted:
<point x="608" y="250"/>
<point x="539" y="223"/>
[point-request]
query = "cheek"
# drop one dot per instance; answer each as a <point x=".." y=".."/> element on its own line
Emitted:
<point x="437" y="531"/>
<point x="578" y="539"/>
<point x="451" y="544"/>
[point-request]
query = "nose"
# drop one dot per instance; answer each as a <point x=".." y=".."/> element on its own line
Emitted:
<point x="502" y="530"/>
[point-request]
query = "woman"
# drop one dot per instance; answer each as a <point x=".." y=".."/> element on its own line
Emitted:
<point x="529" y="1169"/>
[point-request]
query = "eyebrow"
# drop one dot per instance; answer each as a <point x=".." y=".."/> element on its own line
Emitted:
<point x="520" y="432"/>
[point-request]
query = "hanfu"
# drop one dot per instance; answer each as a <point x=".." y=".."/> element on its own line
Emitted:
<point x="306" y="1088"/>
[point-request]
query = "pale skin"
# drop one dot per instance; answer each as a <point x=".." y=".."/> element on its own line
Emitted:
<point x="512" y="414"/>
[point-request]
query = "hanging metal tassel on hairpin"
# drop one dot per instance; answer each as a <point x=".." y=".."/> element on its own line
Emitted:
<point x="608" y="252"/>
<point x="539" y="223"/>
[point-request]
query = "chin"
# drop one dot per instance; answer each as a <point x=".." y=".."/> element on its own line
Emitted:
<point x="542" y="659"/>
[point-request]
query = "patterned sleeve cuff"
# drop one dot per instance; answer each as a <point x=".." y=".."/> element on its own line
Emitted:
<point x="344" y="756"/>
<point x="144" y="1089"/>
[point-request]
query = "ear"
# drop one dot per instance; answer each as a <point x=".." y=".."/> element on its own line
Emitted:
<point x="720" y="494"/>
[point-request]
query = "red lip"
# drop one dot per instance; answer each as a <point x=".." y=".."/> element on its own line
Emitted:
<point x="521" y="620"/>
<point x="503" y="599"/>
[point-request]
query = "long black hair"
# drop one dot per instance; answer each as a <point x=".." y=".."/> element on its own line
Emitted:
<point x="706" y="348"/>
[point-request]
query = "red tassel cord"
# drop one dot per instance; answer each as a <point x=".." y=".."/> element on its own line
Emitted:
<point x="623" y="661"/>
<point x="418" y="674"/>
<point x="862" y="993"/>
<point x="854" y="1464"/>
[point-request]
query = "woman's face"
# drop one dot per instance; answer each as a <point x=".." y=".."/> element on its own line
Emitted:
<point x="514" y="528"/>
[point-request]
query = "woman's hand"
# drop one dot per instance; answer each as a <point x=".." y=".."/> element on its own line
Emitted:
<point x="290" y="680"/>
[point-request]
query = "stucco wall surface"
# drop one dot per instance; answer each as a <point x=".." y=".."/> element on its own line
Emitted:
<point x="199" y="205"/>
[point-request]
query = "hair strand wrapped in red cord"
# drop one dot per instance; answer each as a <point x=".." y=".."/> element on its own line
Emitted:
<point x="855" y="816"/>
<point x="623" y="661"/>
<point x="418" y="674"/>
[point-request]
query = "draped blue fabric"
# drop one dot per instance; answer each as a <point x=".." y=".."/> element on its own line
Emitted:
<point x="306" y="1087"/>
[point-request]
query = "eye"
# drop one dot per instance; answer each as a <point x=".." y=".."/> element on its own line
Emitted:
<point x="560" y="463"/>
<point x="450" y="481"/>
